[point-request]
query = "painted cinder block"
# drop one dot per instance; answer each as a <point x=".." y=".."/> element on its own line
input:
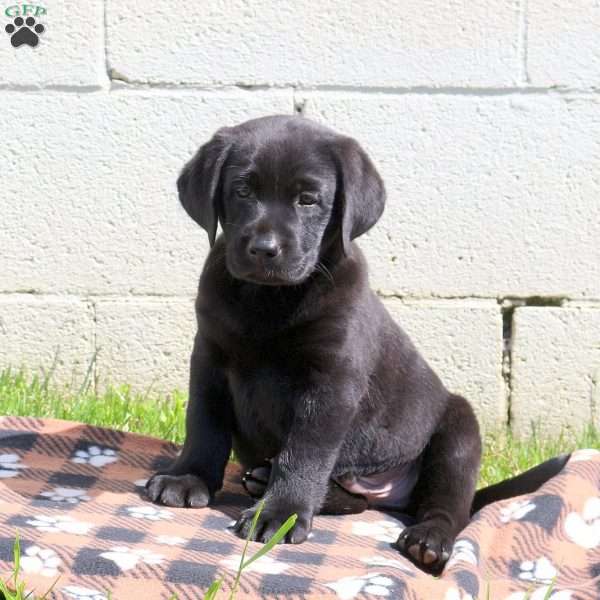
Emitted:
<point x="47" y="336"/>
<point x="489" y="196"/>
<point x="89" y="200"/>
<point x="331" y="43"/>
<point x="562" y="43"/>
<point x="555" y="374"/>
<point x="146" y="342"/>
<point x="462" y="341"/>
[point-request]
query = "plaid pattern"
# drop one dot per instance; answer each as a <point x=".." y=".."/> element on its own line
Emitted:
<point x="73" y="493"/>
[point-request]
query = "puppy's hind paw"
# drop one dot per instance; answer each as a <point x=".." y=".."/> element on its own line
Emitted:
<point x="178" y="491"/>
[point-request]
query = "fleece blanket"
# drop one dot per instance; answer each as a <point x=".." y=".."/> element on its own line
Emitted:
<point x="73" y="493"/>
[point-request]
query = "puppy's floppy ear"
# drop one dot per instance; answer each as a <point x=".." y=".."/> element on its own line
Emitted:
<point x="360" y="192"/>
<point x="200" y="181"/>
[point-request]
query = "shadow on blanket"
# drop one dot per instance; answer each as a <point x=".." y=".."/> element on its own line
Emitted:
<point x="72" y="492"/>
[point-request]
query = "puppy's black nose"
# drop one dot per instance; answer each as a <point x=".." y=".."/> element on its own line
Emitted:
<point x="264" y="246"/>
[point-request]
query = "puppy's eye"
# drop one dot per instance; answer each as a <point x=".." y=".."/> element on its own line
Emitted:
<point x="243" y="191"/>
<point x="308" y="199"/>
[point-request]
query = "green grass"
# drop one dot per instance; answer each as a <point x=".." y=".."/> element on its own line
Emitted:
<point x="163" y="416"/>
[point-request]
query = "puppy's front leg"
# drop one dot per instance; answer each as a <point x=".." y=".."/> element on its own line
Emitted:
<point x="197" y="472"/>
<point x="300" y="473"/>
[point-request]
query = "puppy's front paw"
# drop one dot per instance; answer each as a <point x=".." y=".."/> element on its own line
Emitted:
<point x="178" y="490"/>
<point x="427" y="544"/>
<point x="271" y="518"/>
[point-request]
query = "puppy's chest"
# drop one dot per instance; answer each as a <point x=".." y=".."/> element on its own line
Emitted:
<point x="263" y="400"/>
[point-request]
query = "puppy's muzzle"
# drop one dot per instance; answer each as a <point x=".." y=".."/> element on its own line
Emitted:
<point x="264" y="249"/>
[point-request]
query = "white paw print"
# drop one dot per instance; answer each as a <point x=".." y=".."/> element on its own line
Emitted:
<point x="149" y="512"/>
<point x="126" y="559"/>
<point x="542" y="593"/>
<point x="68" y="495"/>
<point x="540" y="570"/>
<point x="81" y="593"/>
<point x="372" y="583"/>
<point x="265" y="564"/>
<point x="463" y="551"/>
<point x="382" y="531"/>
<point x="10" y="465"/>
<point x="62" y="523"/>
<point x="382" y="561"/>
<point x="584" y="528"/>
<point x="516" y="510"/>
<point x="170" y="540"/>
<point x="41" y="561"/>
<point x="95" y="456"/>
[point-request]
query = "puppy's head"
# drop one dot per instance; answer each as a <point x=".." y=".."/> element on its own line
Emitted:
<point x="285" y="191"/>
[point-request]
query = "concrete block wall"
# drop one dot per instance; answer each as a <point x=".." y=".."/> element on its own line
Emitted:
<point x="483" y="117"/>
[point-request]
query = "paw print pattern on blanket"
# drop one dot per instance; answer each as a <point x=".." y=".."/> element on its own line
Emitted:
<point x="10" y="465"/>
<point x="516" y="510"/>
<point x="95" y="456"/>
<point x="127" y="558"/>
<point x="42" y="561"/>
<point x="60" y="523"/>
<point x="135" y="549"/>
<point x="374" y="584"/>
<point x="382" y="531"/>
<point x="265" y="565"/>
<point x="81" y="593"/>
<point x="149" y="512"/>
<point x="67" y="495"/>
<point x="540" y="570"/>
<point x="584" y="528"/>
<point x="463" y="551"/>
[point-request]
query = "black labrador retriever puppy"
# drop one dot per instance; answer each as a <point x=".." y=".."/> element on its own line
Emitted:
<point x="296" y="361"/>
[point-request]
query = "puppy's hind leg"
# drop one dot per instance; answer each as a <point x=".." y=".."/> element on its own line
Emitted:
<point x="441" y="500"/>
<point x="337" y="502"/>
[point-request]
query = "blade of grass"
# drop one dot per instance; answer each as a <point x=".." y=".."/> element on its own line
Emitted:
<point x="279" y="535"/>
<point x="550" y="588"/>
<point x="250" y="534"/>
<point x="211" y="593"/>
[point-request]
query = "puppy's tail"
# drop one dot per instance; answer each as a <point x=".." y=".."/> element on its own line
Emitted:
<point x="525" y="483"/>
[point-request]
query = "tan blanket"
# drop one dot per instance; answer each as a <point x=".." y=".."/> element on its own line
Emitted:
<point x="72" y="492"/>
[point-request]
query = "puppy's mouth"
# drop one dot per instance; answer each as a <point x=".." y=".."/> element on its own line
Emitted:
<point x="270" y="275"/>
